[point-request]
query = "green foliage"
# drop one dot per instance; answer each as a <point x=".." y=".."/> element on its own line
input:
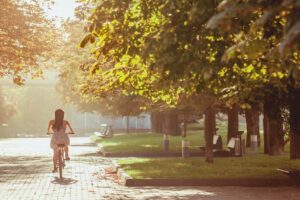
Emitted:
<point x="265" y="29"/>
<point x="158" y="50"/>
<point x="164" y="52"/>
<point x="77" y="87"/>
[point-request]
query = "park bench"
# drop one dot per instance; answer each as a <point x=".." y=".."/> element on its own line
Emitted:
<point x="105" y="131"/>
<point x="218" y="147"/>
<point x="217" y="143"/>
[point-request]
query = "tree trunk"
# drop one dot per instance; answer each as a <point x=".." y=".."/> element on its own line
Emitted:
<point x="274" y="125"/>
<point x="209" y="130"/>
<point x="233" y="122"/>
<point x="157" y="120"/>
<point x="171" y="124"/>
<point x="183" y="131"/>
<point x="252" y="121"/>
<point x="294" y="99"/>
<point x="174" y="124"/>
<point x="153" y="122"/>
<point x="127" y="124"/>
<point x="266" y="135"/>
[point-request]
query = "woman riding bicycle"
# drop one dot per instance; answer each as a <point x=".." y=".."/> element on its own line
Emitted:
<point x="57" y="128"/>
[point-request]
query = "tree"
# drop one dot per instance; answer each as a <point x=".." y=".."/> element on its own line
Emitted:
<point x="265" y="14"/>
<point x="73" y="82"/>
<point x="26" y="35"/>
<point x="7" y="109"/>
<point x="163" y="51"/>
<point x="160" y="50"/>
<point x="26" y="38"/>
<point x="271" y="34"/>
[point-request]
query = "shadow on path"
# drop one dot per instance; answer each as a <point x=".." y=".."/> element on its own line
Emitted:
<point x="64" y="181"/>
<point x="20" y="167"/>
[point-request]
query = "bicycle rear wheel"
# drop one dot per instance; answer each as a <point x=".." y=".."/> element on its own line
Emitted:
<point x="60" y="163"/>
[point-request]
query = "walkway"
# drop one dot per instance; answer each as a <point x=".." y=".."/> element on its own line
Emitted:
<point x="25" y="166"/>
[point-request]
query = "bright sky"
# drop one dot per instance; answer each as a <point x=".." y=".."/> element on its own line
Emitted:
<point x="62" y="9"/>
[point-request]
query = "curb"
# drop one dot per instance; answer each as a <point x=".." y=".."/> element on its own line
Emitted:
<point x="123" y="176"/>
<point x="209" y="182"/>
<point x="115" y="166"/>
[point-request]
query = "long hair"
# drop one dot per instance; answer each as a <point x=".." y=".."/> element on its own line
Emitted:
<point x="59" y="119"/>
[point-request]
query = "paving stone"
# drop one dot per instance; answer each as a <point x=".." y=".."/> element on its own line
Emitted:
<point x="25" y="174"/>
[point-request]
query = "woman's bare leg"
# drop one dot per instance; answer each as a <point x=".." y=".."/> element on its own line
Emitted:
<point x="54" y="158"/>
<point x="67" y="153"/>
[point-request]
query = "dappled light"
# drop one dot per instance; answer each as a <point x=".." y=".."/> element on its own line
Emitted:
<point x="150" y="146"/>
<point x="100" y="99"/>
<point x="259" y="167"/>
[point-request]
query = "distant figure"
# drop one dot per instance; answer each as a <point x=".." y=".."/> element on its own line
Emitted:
<point x="57" y="128"/>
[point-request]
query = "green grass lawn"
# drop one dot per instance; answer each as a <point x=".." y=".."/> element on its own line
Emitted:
<point x="153" y="143"/>
<point x="253" y="165"/>
<point x="146" y="142"/>
<point x="248" y="167"/>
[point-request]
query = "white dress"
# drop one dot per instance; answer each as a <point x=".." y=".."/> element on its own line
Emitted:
<point x="59" y="137"/>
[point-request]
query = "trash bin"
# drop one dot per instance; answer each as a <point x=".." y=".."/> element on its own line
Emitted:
<point x="238" y="147"/>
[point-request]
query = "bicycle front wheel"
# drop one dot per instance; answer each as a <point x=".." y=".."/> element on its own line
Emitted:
<point x="60" y="163"/>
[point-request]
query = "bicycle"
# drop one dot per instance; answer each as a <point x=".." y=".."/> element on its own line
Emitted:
<point x="61" y="157"/>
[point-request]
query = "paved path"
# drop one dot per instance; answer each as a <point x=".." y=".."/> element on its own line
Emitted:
<point x="25" y="166"/>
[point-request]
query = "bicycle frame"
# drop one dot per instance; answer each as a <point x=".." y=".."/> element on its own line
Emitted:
<point x="61" y="159"/>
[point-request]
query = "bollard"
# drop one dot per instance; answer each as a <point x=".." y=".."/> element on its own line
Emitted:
<point x="185" y="148"/>
<point x="237" y="147"/>
<point x="166" y="143"/>
<point x="254" y="143"/>
<point x="243" y="147"/>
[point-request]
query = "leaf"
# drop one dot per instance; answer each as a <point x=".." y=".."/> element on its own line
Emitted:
<point x="88" y="38"/>
<point x="254" y="48"/>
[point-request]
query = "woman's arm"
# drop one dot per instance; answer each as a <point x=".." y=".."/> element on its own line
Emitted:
<point x="68" y="125"/>
<point x="49" y="126"/>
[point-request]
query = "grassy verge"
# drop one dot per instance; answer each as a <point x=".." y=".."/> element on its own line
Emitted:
<point x="250" y="167"/>
<point x="146" y="143"/>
